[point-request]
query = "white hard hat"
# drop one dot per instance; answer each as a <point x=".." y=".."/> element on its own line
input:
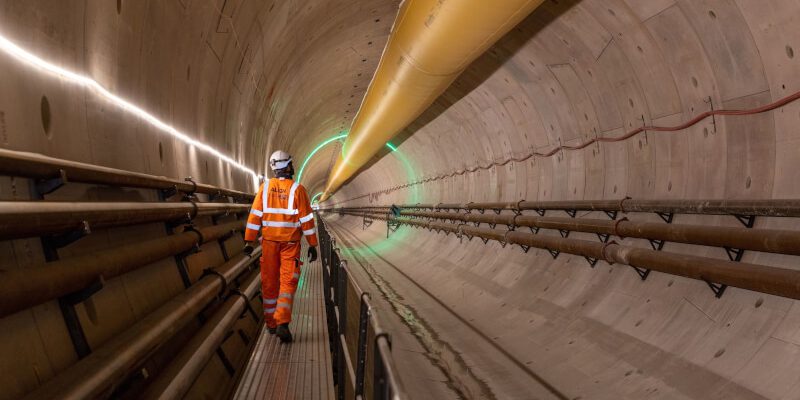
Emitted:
<point x="279" y="160"/>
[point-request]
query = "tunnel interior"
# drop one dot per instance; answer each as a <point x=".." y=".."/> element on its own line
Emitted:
<point x="598" y="100"/>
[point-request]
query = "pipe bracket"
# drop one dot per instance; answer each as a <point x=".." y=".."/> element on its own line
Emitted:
<point x="643" y="272"/>
<point x="190" y="195"/>
<point x="212" y="271"/>
<point x="191" y="228"/>
<point x="622" y="204"/>
<point x="717" y="288"/>
<point x="747" y="220"/>
<point x="50" y="185"/>
<point x="79" y="296"/>
<point x="666" y="216"/>
<point x="248" y="307"/>
<point x="61" y="240"/>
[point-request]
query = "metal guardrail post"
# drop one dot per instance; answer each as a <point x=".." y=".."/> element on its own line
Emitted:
<point x="341" y="302"/>
<point x="363" y="318"/>
<point x="380" y="384"/>
<point x="386" y="383"/>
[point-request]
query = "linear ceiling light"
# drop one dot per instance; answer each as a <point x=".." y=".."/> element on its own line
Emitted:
<point x="32" y="60"/>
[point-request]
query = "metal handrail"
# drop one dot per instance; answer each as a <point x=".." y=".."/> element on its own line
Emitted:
<point x="386" y="383"/>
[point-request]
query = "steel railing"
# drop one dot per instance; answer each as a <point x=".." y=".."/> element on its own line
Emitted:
<point x="363" y="366"/>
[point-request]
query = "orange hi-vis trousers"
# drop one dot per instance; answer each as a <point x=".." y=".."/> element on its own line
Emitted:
<point x="280" y="272"/>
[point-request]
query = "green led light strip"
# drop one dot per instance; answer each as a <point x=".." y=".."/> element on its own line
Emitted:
<point x="404" y="161"/>
<point x="316" y="149"/>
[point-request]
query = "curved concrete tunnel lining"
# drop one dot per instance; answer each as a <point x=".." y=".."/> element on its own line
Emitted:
<point x="125" y="52"/>
<point x="486" y="114"/>
<point x="571" y="71"/>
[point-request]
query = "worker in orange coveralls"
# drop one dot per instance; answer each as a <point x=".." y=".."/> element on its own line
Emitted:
<point x="282" y="213"/>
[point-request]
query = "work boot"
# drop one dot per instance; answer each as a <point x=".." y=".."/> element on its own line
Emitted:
<point x="271" y="330"/>
<point x="283" y="333"/>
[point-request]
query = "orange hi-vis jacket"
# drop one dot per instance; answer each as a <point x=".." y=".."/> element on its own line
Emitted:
<point x="283" y="214"/>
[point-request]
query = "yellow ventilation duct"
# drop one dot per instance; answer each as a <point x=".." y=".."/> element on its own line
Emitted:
<point x="431" y="43"/>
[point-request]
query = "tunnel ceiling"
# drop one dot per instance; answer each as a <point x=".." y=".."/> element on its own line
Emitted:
<point x="249" y="77"/>
<point x="577" y="70"/>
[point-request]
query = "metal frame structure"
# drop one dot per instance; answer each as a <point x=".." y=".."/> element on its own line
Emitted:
<point x="717" y="274"/>
<point x="355" y="345"/>
<point x="73" y="280"/>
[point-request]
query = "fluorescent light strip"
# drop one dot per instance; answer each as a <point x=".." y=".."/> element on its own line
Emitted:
<point x="32" y="60"/>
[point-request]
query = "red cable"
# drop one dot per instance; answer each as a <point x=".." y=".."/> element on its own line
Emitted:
<point x="694" y="121"/>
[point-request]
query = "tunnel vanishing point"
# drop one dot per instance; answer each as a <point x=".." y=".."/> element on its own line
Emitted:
<point x="515" y="199"/>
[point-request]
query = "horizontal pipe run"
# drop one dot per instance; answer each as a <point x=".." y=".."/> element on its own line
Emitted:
<point x="97" y="374"/>
<point x="760" y="278"/>
<point x="22" y="288"/>
<point x="20" y="219"/>
<point x="179" y="376"/>
<point x="767" y="208"/>
<point x="37" y="166"/>
<point x="755" y="239"/>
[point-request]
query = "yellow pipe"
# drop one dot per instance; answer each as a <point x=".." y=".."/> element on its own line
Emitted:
<point x="431" y="43"/>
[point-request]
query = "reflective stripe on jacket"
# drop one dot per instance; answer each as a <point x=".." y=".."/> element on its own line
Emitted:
<point x="283" y="215"/>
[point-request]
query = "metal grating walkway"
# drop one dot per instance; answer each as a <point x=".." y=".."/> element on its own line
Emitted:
<point x="301" y="370"/>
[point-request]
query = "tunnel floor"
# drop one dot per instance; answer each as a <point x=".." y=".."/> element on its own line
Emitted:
<point x="440" y="354"/>
<point x="301" y="370"/>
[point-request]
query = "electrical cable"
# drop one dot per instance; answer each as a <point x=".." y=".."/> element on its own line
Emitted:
<point x="694" y="121"/>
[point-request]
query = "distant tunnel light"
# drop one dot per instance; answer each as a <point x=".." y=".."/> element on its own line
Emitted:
<point x="34" y="61"/>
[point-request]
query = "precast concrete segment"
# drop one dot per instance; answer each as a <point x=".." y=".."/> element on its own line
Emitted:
<point x="580" y="146"/>
<point x="38" y="64"/>
<point x="38" y="166"/>
<point x="20" y="219"/>
<point x="761" y="278"/>
<point x="109" y="364"/>
<point x="178" y="377"/>
<point x="21" y="288"/>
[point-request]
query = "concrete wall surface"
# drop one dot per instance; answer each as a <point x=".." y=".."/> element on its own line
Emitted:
<point x="249" y="77"/>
